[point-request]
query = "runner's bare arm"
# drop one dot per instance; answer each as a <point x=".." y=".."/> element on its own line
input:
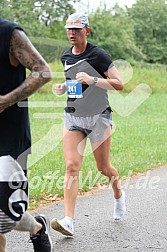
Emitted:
<point x="23" y="52"/>
<point x="112" y="82"/>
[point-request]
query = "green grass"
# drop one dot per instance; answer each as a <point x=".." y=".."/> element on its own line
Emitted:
<point x="154" y="77"/>
<point x="139" y="140"/>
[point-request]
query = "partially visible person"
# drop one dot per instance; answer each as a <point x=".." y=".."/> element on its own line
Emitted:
<point x="2" y="243"/>
<point x="16" y="54"/>
<point x="89" y="73"/>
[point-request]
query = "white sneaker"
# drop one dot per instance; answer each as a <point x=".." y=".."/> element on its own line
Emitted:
<point x="119" y="207"/>
<point x="62" y="226"/>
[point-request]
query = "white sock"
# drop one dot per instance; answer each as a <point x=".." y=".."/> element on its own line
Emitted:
<point x="69" y="220"/>
<point x="119" y="199"/>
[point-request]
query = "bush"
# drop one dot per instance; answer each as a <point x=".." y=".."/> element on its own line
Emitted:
<point x="50" y="49"/>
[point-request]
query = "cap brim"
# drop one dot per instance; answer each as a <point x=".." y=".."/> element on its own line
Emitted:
<point x="74" y="26"/>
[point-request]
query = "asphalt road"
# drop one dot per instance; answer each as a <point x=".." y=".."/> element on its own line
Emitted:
<point x="143" y="229"/>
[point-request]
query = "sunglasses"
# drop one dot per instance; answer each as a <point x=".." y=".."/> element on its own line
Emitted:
<point x="75" y="22"/>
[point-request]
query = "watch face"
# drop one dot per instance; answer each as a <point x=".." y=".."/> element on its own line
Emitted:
<point x="95" y="80"/>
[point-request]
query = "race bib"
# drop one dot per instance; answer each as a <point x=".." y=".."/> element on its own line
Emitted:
<point x="74" y="89"/>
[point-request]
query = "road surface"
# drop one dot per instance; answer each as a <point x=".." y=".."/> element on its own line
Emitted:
<point x="143" y="229"/>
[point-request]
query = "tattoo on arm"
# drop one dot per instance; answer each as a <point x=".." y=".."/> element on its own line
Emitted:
<point x="25" y="53"/>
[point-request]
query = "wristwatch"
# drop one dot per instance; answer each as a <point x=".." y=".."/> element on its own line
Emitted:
<point x="95" y="80"/>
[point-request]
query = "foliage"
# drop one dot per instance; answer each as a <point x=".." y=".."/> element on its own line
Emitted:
<point x="135" y="34"/>
<point x="36" y="16"/>
<point x="23" y="13"/>
<point x="150" y="19"/>
<point x="50" y="49"/>
<point x="115" y="33"/>
<point x="51" y="10"/>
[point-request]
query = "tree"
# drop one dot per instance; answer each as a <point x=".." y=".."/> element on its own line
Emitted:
<point x="150" y="19"/>
<point x="53" y="13"/>
<point x="22" y="12"/>
<point x="37" y="17"/>
<point x="54" y="10"/>
<point x="114" y="31"/>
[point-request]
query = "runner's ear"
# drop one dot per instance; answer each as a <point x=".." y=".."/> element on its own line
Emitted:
<point x="88" y="30"/>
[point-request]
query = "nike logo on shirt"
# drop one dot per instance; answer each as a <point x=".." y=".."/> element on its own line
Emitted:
<point x="67" y="67"/>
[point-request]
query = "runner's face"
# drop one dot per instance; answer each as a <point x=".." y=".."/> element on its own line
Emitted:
<point x="77" y="36"/>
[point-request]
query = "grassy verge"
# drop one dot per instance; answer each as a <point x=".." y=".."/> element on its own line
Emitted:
<point x="139" y="138"/>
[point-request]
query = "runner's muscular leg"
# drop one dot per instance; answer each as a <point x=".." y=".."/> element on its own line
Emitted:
<point x="28" y="223"/>
<point x="101" y="151"/>
<point x="73" y="159"/>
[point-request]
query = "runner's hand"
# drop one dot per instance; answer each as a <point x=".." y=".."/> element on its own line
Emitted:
<point x="59" y="89"/>
<point x="84" y="78"/>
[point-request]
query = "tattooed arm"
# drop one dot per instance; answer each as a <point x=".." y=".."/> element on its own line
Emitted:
<point x="23" y="52"/>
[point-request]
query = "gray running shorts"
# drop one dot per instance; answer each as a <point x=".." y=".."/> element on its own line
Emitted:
<point x="93" y="126"/>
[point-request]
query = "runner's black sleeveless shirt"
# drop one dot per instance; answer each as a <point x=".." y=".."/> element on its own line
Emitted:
<point x="14" y="121"/>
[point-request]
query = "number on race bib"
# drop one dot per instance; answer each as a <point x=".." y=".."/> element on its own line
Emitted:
<point x="74" y="89"/>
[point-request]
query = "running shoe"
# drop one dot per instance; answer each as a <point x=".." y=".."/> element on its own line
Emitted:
<point x="42" y="241"/>
<point x="63" y="227"/>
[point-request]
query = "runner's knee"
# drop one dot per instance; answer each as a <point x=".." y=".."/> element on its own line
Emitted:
<point x="72" y="168"/>
<point x="107" y="169"/>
